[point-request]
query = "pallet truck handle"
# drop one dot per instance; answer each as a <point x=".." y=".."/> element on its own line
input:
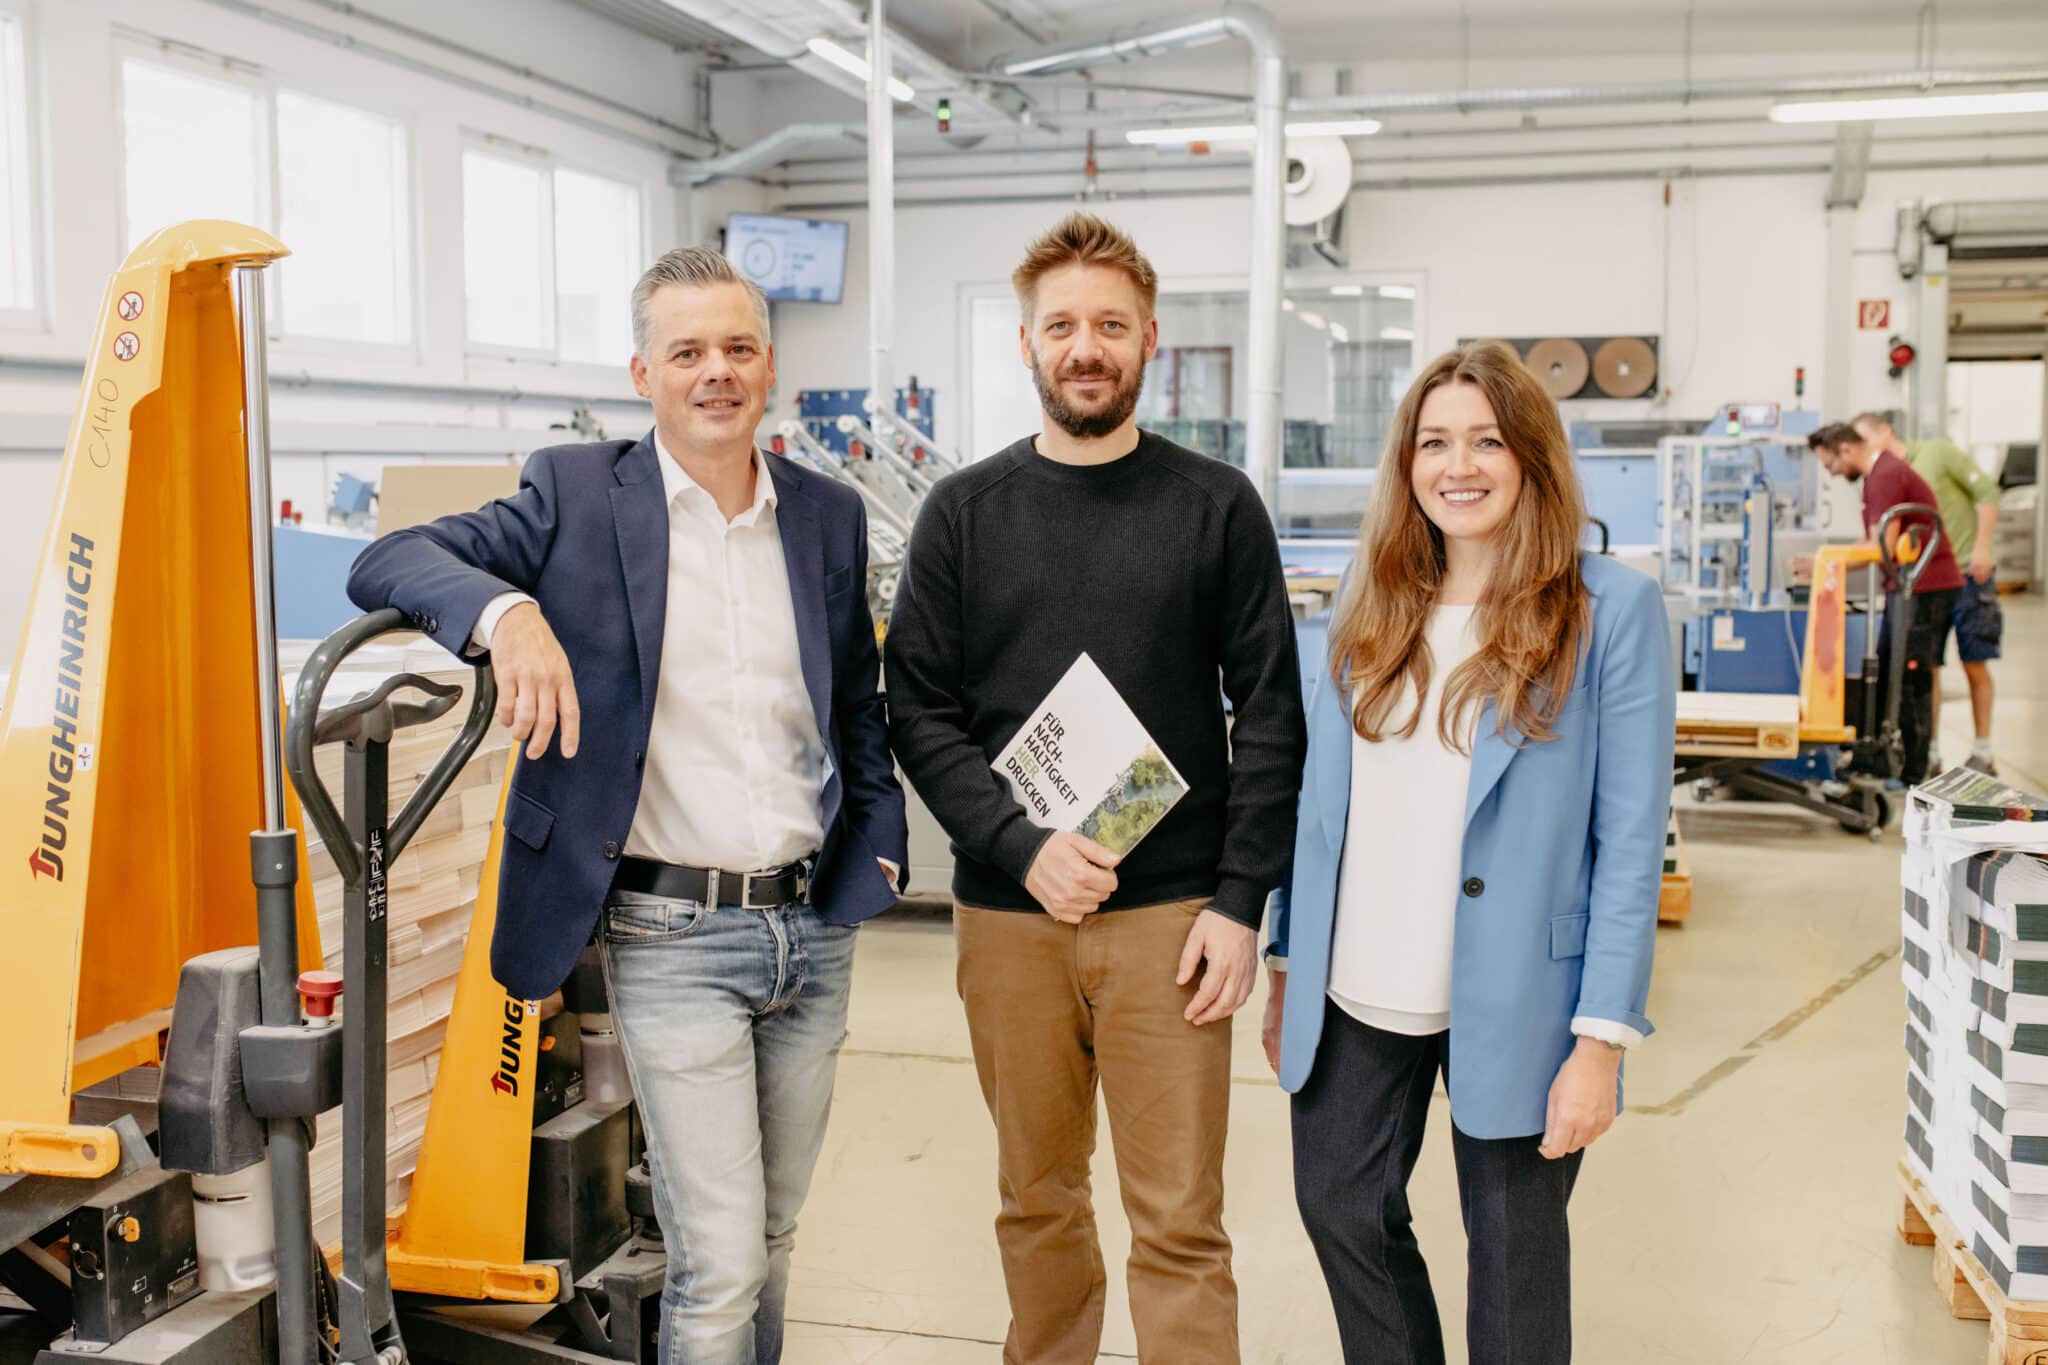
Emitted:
<point x="1907" y="575"/>
<point x="308" y="727"/>
<point x="375" y="716"/>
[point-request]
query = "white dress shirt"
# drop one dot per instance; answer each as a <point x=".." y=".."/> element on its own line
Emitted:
<point x="735" y="763"/>
<point x="1404" y="848"/>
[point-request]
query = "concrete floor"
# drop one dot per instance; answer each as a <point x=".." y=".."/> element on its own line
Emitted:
<point x="1743" y="1210"/>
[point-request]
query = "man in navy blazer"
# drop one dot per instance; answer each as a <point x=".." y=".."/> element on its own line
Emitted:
<point x="681" y="638"/>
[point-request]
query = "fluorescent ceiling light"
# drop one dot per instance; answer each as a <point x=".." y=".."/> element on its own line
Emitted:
<point x="1314" y="320"/>
<point x="1338" y="332"/>
<point x="832" y="52"/>
<point x="1287" y="305"/>
<point x="1397" y="291"/>
<point x="1912" y="106"/>
<point x="1346" y="291"/>
<point x="1396" y="334"/>
<point x="1242" y="132"/>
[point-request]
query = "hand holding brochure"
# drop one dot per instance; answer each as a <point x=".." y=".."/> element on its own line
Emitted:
<point x="1085" y="764"/>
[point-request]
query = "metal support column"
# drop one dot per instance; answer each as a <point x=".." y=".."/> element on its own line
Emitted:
<point x="1930" y="366"/>
<point x="273" y="852"/>
<point x="2039" y="581"/>
<point x="881" y="209"/>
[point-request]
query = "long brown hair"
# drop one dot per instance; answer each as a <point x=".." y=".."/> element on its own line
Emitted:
<point x="1535" y="614"/>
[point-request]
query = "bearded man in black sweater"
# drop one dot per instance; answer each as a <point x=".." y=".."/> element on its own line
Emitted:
<point x="1162" y="565"/>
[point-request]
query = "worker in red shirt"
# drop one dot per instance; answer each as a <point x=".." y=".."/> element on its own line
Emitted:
<point x="1889" y="481"/>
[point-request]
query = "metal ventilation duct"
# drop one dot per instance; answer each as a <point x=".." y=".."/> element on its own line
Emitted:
<point x="662" y="21"/>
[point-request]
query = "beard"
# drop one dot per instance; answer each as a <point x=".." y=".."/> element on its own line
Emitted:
<point x="1085" y="425"/>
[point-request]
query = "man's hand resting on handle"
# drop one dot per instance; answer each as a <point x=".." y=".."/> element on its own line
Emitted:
<point x="535" y="690"/>
<point x="1071" y="876"/>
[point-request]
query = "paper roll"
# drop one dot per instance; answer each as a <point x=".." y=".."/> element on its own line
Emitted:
<point x="1625" y="367"/>
<point x="1560" y="363"/>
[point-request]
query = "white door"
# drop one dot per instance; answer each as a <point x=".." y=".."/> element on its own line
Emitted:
<point x="1002" y="402"/>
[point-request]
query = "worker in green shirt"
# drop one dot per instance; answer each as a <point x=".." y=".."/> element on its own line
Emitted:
<point x="1969" y="511"/>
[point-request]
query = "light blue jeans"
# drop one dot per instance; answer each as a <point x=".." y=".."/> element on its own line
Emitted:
<point x="731" y="1021"/>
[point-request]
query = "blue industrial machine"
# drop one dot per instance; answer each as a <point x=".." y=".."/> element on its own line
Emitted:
<point x="1624" y="467"/>
<point x="820" y="410"/>
<point x="1758" y="650"/>
<point x="352" y="503"/>
<point x="1618" y="469"/>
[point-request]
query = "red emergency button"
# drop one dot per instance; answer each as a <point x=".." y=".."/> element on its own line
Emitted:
<point x="319" y="990"/>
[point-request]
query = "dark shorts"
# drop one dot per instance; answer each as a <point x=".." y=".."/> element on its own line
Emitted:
<point x="1979" y="621"/>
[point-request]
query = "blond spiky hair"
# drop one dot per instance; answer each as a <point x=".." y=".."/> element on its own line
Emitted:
<point x="1084" y="239"/>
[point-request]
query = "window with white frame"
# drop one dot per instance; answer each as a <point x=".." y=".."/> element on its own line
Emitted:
<point x="597" y="262"/>
<point x="340" y="196"/>
<point x="17" y="219"/>
<point x="1348" y="353"/>
<point x="550" y="258"/>
<point x="345" y="210"/>
<point x="508" y="252"/>
<point x="195" y="145"/>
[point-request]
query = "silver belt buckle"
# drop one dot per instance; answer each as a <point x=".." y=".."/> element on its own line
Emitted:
<point x="747" y="894"/>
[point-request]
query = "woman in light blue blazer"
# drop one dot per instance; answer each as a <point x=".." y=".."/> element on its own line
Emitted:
<point x="1476" y="867"/>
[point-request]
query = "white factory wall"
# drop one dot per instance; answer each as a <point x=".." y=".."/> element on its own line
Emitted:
<point x="1732" y="276"/>
<point x="438" y="402"/>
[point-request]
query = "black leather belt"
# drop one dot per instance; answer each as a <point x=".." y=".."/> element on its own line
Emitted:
<point x="764" y="890"/>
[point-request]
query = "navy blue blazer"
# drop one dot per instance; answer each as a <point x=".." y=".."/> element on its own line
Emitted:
<point x="587" y="536"/>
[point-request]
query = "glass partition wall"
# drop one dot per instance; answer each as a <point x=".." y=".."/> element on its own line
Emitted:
<point x="1348" y="353"/>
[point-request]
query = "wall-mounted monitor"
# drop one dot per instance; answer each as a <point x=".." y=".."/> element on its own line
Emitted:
<point x="802" y="260"/>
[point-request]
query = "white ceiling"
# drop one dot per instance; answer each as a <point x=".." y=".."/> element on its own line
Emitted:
<point x="970" y="32"/>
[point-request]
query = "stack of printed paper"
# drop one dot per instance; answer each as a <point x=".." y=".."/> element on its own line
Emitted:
<point x="1975" y="963"/>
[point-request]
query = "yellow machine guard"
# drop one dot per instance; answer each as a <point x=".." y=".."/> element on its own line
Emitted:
<point x="462" y="1233"/>
<point x="130" y="756"/>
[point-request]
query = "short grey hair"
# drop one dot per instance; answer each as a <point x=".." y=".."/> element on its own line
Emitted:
<point x="695" y="266"/>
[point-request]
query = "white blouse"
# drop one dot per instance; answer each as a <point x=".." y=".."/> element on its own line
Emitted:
<point x="1397" y="888"/>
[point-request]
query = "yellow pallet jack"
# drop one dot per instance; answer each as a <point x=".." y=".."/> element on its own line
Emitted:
<point x="1868" y="739"/>
<point x="142" y="745"/>
<point x="142" y="740"/>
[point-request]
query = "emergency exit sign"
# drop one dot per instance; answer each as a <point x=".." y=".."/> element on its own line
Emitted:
<point x="1873" y="314"/>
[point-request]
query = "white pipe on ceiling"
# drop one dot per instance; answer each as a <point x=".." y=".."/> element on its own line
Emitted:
<point x="778" y="146"/>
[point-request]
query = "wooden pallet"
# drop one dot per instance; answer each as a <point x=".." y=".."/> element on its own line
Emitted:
<point x="2019" y="1329"/>
<point x="1674" y="898"/>
<point x="1738" y="725"/>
